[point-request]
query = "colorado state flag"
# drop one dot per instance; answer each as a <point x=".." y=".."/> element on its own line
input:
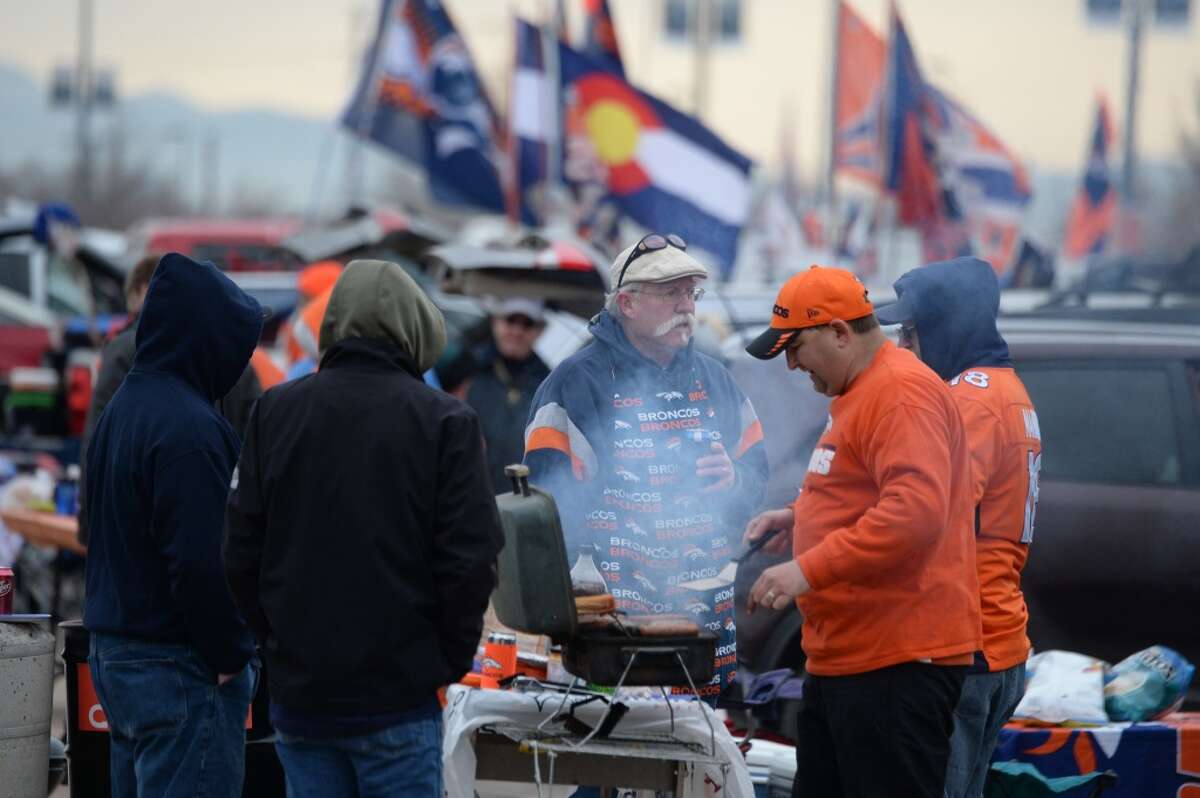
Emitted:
<point x="660" y="167"/>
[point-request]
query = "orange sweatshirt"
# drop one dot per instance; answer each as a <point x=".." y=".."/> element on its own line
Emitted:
<point x="885" y="526"/>
<point x="1006" y="454"/>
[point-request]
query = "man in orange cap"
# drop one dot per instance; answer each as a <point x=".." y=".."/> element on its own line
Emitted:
<point x="317" y="278"/>
<point x="313" y="282"/>
<point x="883" y="566"/>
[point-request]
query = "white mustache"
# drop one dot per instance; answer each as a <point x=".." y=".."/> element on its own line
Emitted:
<point x="678" y="320"/>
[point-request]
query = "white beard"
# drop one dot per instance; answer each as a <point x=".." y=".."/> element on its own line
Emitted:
<point x="678" y="320"/>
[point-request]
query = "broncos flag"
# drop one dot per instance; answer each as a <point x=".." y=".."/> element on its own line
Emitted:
<point x="658" y="166"/>
<point x="861" y="56"/>
<point x="420" y="97"/>
<point x="1095" y="206"/>
<point x="911" y="166"/>
<point x="988" y="182"/>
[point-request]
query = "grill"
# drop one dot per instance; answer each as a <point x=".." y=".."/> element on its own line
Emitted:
<point x="533" y="595"/>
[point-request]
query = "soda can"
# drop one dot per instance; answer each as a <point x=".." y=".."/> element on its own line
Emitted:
<point x="499" y="657"/>
<point x="8" y="587"/>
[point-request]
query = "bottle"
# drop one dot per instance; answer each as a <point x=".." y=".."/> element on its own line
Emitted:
<point x="586" y="579"/>
<point x="66" y="492"/>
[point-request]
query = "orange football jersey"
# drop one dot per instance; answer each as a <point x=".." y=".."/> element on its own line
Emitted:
<point x="1006" y="455"/>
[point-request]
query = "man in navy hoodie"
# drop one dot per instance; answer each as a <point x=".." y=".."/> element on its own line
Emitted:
<point x="948" y="315"/>
<point x="171" y="658"/>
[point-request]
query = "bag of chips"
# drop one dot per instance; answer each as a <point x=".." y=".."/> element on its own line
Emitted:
<point x="1148" y="684"/>
<point x="1065" y="688"/>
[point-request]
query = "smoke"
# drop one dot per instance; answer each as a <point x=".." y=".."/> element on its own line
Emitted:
<point x="792" y="414"/>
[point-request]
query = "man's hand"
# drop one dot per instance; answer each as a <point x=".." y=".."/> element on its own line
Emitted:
<point x="777" y="587"/>
<point x="222" y="678"/>
<point x="716" y="465"/>
<point x="763" y="523"/>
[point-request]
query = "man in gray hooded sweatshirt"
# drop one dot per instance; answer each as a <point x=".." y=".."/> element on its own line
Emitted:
<point x="360" y="544"/>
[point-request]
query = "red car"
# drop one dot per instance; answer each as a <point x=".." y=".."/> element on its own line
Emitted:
<point x="236" y="245"/>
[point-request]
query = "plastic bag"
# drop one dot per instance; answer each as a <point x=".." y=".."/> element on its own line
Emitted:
<point x="1148" y="684"/>
<point x="1065" y="688"/>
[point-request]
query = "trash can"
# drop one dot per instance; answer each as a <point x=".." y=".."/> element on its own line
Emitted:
<point x="87" y="728"/>
<point x="87" y="731"/>
<point x="26" y="703"/>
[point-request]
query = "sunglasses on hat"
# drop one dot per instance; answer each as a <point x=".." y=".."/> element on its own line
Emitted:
<point x="651" y="243"/>
<point x="521" y="320"/>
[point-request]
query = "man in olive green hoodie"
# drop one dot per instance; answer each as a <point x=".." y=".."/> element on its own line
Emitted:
<point x="361" y="543"/>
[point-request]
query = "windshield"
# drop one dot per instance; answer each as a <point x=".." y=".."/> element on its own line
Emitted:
<point x="66" y="287"/>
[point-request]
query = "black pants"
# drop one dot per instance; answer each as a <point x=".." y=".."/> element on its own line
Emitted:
<point x="881" y="734"/>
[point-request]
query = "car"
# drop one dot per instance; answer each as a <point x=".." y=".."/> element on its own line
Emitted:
<point x="55" y="309"/>
<point x="234" y="245"/>
<point x="1114" y="561"/>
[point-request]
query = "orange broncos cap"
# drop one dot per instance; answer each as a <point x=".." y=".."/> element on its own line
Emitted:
<point x="810" y="299"/>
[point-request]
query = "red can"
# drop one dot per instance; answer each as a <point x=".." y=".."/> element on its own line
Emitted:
<point x="7" y="587"/>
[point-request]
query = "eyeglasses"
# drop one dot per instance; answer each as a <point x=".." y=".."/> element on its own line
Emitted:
<point x="674" y="294"/>
<point x="651" y="243"/>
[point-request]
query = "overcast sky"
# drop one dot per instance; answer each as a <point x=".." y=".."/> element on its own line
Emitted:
<point x="1015" y="62"/>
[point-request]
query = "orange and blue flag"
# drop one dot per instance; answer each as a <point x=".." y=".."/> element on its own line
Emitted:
<point x="861" y="59"/>
<point x="600" y="36"/>
<point x="989" y="183"/>
<point x="420" y="97"/>
<point x="924" y="200"/>
<point x="1089" y="227"/>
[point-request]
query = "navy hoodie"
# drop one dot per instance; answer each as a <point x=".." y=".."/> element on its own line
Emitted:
<point x="954" y="305"/>
<point x="160" y="465"/>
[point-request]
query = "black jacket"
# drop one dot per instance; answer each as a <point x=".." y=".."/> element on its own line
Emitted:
<point x="362" y="534"/>
<point x="501" y="393"/>
<point x="115" y="362"/>
<point x="159" y="467"/>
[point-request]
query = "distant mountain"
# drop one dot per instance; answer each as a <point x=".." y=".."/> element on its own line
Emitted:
<point x="274" y="156"/>
<point x="270" y="155"/>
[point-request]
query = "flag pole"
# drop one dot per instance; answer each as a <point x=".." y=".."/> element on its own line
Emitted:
<point x="354" y="168"/>
<point x="701" y="50"/>
<point x="550" y="197"/>
<point x="1135" y="17"/>
<point x="512" y="198"/>
<point x="835" y="13"/>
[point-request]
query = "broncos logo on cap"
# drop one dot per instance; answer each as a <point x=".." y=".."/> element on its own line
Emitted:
<point x="782" y="341"/>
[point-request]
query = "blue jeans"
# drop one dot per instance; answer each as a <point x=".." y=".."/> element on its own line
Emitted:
<point x="987" y="702"/>
<point x="173" y="731"/>
<point x="404" y="760"/>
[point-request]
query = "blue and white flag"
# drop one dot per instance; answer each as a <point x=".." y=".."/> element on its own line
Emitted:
<point x="533" y="122"/>
<point x="420" y="97"/>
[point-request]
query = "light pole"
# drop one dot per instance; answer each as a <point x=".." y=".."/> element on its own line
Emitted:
<point x="1135" y="19"/>
<point x="83" y="105"/>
